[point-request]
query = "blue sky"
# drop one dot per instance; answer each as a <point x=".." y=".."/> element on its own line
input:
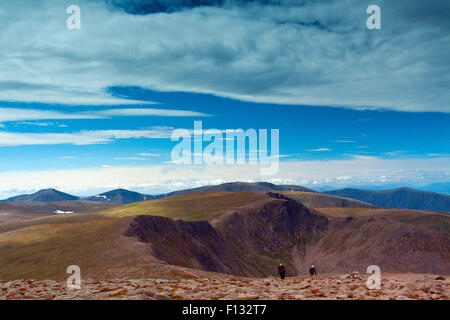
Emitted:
<point x="91" y="110"/>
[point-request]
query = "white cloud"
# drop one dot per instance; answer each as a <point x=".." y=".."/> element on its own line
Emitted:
<point x="394" y="153"/>
<point x="307" y="52"/>
<point x="38" y="124"/>
<point x="130" y="158"/>
<point x="162" y="178"/>
<point x="320" y="149"/>
<point x="151" y="112"/>
<point x="144" y="154"/>
<point x="20" y="114"/>
<point x="80" y="138"/>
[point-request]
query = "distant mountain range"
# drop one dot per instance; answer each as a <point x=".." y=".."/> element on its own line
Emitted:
<point x="441" y="187"/>
<point x="400" y="198"/>
<point x="123" y="196"/>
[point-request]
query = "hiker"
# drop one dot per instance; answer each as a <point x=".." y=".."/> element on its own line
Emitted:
<point x="312" y="272"/>
<point x="281" y="271"/>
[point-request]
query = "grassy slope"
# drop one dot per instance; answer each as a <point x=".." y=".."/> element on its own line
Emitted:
<point x="195" y="206"/>
<point x="427" y="219"/>
<point x="21" y="210"/>
<point x="43" y="250"/>
<point x="43" y="247"/>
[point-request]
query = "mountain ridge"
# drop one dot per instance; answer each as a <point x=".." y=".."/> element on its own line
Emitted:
<point x="121" y="196"/>
<point x="399" y="198"/>
<point x="44" y="195"/>
<point x="243" y="187"/>
<point x="404" y="197"/>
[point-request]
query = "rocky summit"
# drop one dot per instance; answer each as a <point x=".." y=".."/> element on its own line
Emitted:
<point x="329" y="287"/>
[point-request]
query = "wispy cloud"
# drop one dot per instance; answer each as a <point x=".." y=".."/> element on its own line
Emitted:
<point x="22" y="115"/>
<point x="130" y="158"/>
<point x="319" y="149"/>
<point x="144" y="154"/>
<point x="150" y="112"/>
<point x="393" y="153"/>
<point x="18" y="114"/>
<point x="35" y="123"/>
<point x="80" y="138"/>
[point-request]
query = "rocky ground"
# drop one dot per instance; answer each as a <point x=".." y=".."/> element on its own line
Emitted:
<point x="351" y="286"/>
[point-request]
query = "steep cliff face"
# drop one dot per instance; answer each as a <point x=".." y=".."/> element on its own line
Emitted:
<point x="250" y="242"/>
<point x="193" y="244"/>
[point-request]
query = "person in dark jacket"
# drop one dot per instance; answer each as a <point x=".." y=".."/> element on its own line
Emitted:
<point x="312" y="271"/>
<point x="281" y="271"/>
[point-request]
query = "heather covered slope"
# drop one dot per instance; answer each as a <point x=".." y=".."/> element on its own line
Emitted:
<point x="401" y="198"/>
<point x="244" y="234"/>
